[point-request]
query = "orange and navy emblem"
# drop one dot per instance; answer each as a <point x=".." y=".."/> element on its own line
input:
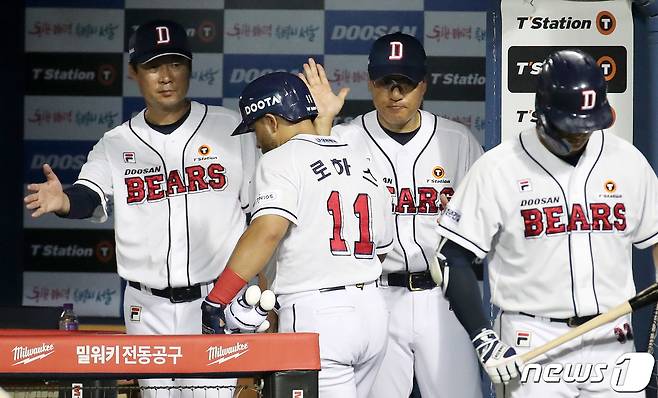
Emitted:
<point x="204" y="150"/>
<point x="438" y="172"/>
<point x="610" y="186"/>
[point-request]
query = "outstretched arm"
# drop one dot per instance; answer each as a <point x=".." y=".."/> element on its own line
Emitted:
<point x="328" y="103"/>
<point x="47" y="197"/>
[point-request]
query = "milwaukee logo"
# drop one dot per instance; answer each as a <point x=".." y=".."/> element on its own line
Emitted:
<point x="218" y="355"/>
<point x="25" y="355"/>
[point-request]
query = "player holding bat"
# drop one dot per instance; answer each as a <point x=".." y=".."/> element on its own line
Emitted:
<point x="555" y="211"/>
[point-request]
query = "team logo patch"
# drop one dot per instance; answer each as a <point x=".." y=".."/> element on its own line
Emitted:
<point x="297" y="393"/>
<point x="204" y="150"/>
<point x="129" y="157"/>
<point x="525" y="185"/>
<point x="610" y="186"/>
<point x="135" y="313"/>
<point x="523" y="338"/>
<point x="438" y="172"/>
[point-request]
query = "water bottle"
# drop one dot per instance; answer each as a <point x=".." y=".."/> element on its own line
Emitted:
<point x="68" y="320"/>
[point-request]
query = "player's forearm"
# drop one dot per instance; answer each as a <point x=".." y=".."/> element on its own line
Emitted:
<point x="654" y="253"/>
<point x="256" y="246"/>
<point x="252" y="252"/>
<point x="464" y="295"/>
<point x="463" y="290"/>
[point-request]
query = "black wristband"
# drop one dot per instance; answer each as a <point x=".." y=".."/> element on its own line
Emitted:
<point x="83" y="201"/>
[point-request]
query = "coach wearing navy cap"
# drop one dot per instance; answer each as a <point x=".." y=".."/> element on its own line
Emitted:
<point x="420" y="157"/>
<point x="156" y="39"/>
<point x="178" y="183"/>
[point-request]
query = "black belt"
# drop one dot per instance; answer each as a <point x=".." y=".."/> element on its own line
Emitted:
<point x="572" y="322"/>
<point x="414" y="281"/>
<point x="174" y="294"/>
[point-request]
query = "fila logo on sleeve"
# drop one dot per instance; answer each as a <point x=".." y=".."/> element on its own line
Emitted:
<point x="163" y="34"/>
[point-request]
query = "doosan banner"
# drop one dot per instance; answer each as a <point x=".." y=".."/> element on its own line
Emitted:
<point x="532" y="30"/>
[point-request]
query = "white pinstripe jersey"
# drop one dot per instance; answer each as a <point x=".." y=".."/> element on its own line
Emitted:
<point x="431" y="163"/>
<point x="339" y="213"/>
<point x="179" y="199"/>
<point x="558" y="237"/>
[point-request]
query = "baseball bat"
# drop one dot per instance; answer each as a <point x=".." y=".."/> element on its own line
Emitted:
<point x="642" y="299"/>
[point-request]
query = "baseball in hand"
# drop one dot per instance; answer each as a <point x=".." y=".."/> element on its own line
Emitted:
<point x="267" y="300"/>
<point x="252" y="295"/>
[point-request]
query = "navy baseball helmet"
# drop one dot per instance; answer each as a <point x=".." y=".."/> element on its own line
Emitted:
<point x="571" y="94"/>
<point x="279" y="93"/>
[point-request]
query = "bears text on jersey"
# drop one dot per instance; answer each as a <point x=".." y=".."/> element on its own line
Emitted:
<point x="155" y="187"/>
<point x="550" y="220"/>
<point x="426" y="201"/>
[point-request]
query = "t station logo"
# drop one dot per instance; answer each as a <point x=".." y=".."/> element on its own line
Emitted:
<point x="604" y="22"/>
<point x="525" y="63"/>
<point x="73" y="74"/>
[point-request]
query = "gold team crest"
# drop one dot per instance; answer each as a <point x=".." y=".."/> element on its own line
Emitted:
<point x="610" y="186"/>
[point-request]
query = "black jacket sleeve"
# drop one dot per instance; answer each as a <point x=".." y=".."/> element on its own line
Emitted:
<point x="83" y="201"/>
<point x="463" y="291"/>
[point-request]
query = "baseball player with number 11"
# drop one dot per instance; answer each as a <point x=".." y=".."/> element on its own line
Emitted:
<point x="556" y="211"/>
<point x="324" y="217"/>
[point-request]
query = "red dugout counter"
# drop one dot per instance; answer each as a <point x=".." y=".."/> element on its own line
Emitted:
<point x="287" y="362"/>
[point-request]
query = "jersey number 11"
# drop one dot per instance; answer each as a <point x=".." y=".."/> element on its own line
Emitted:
<point x="364" y="247"/>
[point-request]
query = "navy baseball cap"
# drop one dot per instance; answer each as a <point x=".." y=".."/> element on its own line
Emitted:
<point x="158" y="38"/>
<point x="397" y="54"/>
<point x="278" y="93"/>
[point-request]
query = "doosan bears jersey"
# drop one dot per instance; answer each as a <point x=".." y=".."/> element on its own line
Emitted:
<point x="558" y="237"/>
<point x="416" y="174"/>
<point x="163" y="184"/>
<point x="339" y="212"/>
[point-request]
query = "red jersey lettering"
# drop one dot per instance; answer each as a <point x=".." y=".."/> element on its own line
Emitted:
<point x="405" y="202"/>
<point x="195" y="178"/>
<point x="217" y="179"/>
<point x="135" y="188"/>
<point x="620" y="213"/>
<point x="532" y="219"/>
<point x="427" y="198"/>
<point x="578" y="220"/>
<point x="154" y="187"/>
<point x="600" y="214"/>
<point x="174" y="181"/>
<point x="553" y="216"/>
